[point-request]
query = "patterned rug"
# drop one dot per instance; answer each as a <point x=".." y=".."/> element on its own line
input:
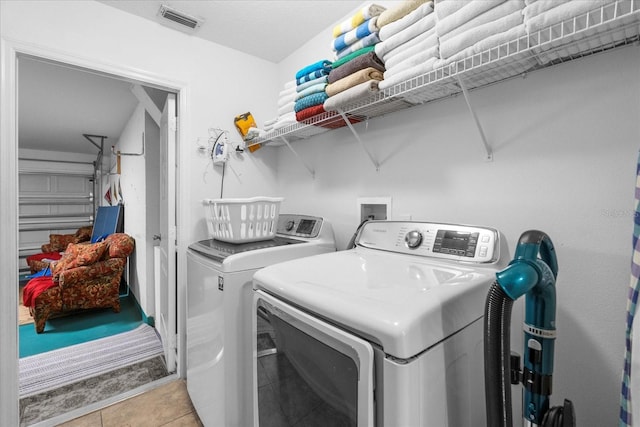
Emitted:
<point x="52" y="403"/>
<point x="54" y="369"/>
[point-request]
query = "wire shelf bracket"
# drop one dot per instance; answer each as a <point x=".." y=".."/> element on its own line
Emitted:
<point x="355" y="134"/>
<point x="311" y="171"/>
<point x="483" y="138"/>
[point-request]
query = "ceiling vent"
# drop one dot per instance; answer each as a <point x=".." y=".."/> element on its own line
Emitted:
<point x="182" y="20"/>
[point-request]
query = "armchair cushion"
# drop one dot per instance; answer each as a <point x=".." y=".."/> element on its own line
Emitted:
<point x="58" y="242"/>
<point x="78" y="255"/>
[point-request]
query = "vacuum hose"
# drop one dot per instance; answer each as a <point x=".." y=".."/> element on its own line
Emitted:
<point x="497" y="321"/>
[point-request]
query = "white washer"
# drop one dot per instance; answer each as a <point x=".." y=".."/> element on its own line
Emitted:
<point x="219" y="300"/>
<point x="388" y="334"/>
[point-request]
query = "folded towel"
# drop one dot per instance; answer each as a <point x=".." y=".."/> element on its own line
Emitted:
<point x="462" y="41"/>
<point x="352" y="55"/>
<point x="482" y="45"/>
<point x="288" y="90"/>
<point x="303" y="86"/>
<point x="285" y="120"/>
<point x="561" y="12"/>
<point x="411" y="60"/>
<point x="399" y="11"/>
<point x="289" y="84"/>
<point x="286" y="108"/>
<point x="399" y="25"/>
<point x="406" y="73"/>
<point x="361" y="31"/>
<point x="319" y="87"/>
<point x="287" y="99"/>
<point x="323" y="64"/>
<point x="310" y="100"/>
<point x="536" y="7"/>
<point x="424" y="41"/>
<point x="308" y="112"/>
<point x="360" y="62"/>
<point x="351" y="95"/>
<point x="353" y="80"/>
<point x="365" y="13"/>
<point x="454" y="13"/>
<point x="370" y="40"/>
<point x="492" y="14"/>
<point x="424" y="25"/>
<point x="312" y="76"/>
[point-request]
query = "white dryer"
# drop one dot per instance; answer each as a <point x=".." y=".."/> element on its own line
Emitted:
<point x="219" y="301"/>
<point x="389" y="333"/>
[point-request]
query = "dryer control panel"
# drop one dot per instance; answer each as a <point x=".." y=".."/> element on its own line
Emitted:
<point x="435" y="240"/>
<point x="294" y="225"/>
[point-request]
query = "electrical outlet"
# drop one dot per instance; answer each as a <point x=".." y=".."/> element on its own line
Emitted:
<point x="374" y="208"/>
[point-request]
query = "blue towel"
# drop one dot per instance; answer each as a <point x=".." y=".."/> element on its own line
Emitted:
<point x="310" y="101"/>
<point x="370" y="40"/>
<point x="323" y="64"/>
<point x="312" y="76"/>
<point x="626" y="419"/>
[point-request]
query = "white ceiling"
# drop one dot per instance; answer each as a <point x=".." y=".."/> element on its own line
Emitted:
<point x="268" y="29"/>
<point x="57" y="104"/>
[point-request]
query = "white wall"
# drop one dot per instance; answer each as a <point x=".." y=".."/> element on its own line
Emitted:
<point x="566" y="143"/>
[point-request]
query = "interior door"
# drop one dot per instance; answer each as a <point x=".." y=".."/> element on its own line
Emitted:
<point x="166" y="259"/>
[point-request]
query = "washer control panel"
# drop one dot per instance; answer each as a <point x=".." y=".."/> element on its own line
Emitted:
<point x="299" y="225"/>
<point x="436" y="240"/>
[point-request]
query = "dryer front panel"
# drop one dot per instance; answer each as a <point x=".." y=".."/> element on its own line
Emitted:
<point x="305" y="367"/>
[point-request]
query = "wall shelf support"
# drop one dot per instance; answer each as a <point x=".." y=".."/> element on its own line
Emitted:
<point x="355" y="134"/>
<point x="487" y="147"/>
<point x="306" y="165"/>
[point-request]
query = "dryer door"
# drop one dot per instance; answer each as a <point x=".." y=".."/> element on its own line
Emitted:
<point x="305" y="367"/>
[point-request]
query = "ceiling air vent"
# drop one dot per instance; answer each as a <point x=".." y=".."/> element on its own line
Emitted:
<point x="179" y="18"/>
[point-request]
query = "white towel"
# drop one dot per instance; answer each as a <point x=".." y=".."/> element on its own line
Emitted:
<point x="418" y="51"/>
<point x="407" y="74"/>
<point x="482" y="45"/>
<point x="492" y="14"/>
<point x="364" y="13"/>
<point x="286" y="108"/>
<point x="424" y="41"/>
<point x="462" y="41"/>
<point x="285" y="120"/>
<point x="411" y="61"/>
<point x="561" y="12"/>
<point x="287" y="99"/>
<point x="409" y="19"/>
<point x="422" y="26"/>
<point x="453" y="13"/>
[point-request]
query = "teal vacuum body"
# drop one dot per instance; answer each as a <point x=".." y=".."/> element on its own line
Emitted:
<point x="532" y="274"/>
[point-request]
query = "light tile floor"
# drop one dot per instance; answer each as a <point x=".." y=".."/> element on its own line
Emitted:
<point x="166" y="406"/>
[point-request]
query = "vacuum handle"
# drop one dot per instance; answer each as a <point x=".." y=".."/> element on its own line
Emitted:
<point x="535" y="242"/>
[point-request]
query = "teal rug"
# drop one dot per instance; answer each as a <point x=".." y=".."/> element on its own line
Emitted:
<point x="81" y="327"/>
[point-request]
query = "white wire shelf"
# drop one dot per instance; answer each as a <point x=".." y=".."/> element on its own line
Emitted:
<point x="610" y="26"/>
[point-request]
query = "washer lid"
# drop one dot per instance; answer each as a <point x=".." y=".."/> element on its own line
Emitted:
<point x="404" y="303"/>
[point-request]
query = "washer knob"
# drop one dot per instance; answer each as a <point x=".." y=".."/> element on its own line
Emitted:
<point x="413" y="239"/>
<point x="290" y="225"/>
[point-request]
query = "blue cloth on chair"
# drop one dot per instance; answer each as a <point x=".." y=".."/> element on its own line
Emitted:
<point x="41" y="273"/>
<point x="626" y="416"/>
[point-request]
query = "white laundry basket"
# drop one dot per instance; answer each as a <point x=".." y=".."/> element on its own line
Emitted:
<point x="242" y="220"/>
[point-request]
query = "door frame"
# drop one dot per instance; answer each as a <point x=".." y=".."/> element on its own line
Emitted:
<point x="10" y="51"/>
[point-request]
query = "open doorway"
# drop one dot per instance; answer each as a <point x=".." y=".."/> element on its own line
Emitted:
<point x="129" y="163"/>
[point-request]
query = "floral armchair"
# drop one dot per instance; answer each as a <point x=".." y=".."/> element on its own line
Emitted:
<point x="87" y="276"/>
<point x="57" y="243"/>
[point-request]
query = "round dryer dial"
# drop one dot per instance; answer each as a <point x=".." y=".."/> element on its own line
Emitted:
<point x="413" y="239"/>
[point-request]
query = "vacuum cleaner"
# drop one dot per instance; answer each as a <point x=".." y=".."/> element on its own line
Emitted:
<point x="531" y="273"/>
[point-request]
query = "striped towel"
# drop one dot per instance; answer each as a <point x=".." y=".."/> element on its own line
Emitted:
<point x="626" y="419"/>
<point x="365" y="13"/>
<point x="360" y="32"/>
<point x="322" y="65"/>
<point x="370" y="40"/>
